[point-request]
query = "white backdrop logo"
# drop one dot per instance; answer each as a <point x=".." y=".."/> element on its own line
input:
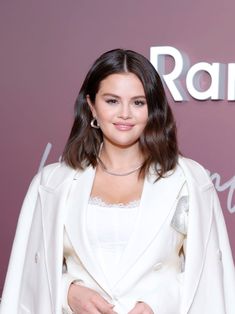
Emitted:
<point x="185" y="79"/>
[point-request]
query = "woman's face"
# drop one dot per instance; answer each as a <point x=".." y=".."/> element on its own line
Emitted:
<point x="121" y="109"/>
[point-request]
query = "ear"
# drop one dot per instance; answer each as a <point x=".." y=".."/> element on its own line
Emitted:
<point x="91" y="106"/>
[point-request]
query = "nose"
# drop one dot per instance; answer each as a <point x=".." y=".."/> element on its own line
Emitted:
<point x="125" y="111"/>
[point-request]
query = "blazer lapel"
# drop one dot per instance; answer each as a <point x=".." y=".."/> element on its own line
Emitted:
<point x="156" y="203"/>
<point x="75" y="224"/>
<point x="53" y="197"/>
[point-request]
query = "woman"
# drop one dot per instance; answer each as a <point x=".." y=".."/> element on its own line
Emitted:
<point x="105" y="230"/>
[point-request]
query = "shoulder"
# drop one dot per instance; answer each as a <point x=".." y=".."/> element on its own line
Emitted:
<point x="52" y="175"/>
<point x="194" y="171"/>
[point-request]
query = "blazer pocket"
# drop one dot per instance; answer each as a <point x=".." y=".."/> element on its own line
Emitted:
<point x="157" y="266"/>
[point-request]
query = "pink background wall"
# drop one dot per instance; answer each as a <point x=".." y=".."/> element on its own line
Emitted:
<point x="47" y="48"/>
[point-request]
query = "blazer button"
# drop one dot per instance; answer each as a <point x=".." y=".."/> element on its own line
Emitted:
<point x="157" y="266"/>
<point x="36" y="258"/>
<point x="219" y="253"/>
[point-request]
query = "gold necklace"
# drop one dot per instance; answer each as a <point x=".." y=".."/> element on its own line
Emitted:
<point x="104" y="168"/>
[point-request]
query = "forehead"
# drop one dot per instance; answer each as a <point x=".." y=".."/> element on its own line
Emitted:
<point x="121" y="83"/>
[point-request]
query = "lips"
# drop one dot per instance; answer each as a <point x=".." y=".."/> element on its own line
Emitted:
<point x="123" y="126"/>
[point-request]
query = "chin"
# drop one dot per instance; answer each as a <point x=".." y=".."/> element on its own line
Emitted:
<point x="123" y="144"/>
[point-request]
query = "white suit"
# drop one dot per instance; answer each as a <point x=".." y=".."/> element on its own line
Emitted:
<point x="33" y="282"/>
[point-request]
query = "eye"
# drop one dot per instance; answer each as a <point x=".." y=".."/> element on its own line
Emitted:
<point x="139" y="103"/>
<point x="111" y="101"/>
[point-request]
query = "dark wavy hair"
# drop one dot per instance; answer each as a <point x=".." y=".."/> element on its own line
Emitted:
<point x="158" y="142"/>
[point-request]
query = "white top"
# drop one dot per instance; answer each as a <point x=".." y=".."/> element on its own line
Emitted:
<point x="109" y="228"/>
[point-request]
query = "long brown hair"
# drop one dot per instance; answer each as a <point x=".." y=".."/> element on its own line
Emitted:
<point x="158" y="142"/>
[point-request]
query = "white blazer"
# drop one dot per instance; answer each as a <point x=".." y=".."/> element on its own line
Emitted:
<point x="33" y="281"/>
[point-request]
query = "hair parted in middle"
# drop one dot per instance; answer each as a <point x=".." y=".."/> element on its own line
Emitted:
<point x="158" y="142"/>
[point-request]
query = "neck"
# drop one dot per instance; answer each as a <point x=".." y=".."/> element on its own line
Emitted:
<point x="121" y="158"/>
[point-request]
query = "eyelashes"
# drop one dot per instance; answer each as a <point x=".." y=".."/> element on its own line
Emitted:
<point x="111" y="101"/>
<point x="137" y="103"/>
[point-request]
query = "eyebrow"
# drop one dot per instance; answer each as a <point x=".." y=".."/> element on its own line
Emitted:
<point x="116" y="96"/>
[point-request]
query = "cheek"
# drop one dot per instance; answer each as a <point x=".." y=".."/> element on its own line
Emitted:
<point x="103" y="114"/>
<point x="143" y="117"/>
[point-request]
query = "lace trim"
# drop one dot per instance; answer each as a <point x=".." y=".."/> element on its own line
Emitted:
<point x="95" y="200"/>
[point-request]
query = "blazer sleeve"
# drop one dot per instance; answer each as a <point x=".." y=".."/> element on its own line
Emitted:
<point x="225" y="255"/>
<point x="216" y="277"/>
<point x="11" y="290"/>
